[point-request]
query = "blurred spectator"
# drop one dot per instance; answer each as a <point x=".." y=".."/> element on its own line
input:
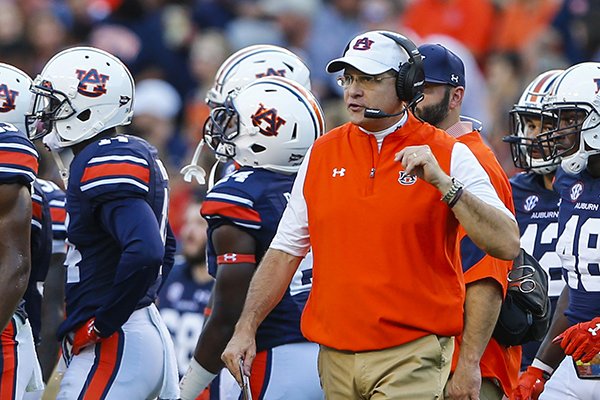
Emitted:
<point x="156" y="107"/>
<point x="187" y="290"/>
<point x="469" y="21"/>
<point x="523" y="21"/>
<point x="208" y="50"/>
<point x="47" y="36"/>
<point x="333" y="27"/>
<point x="13" y="46"/>
<point x="505" y="80"/>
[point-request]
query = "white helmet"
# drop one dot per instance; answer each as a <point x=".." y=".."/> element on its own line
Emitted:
<point x="525" y="150"/>
<point x="270" y="124"/>
<point x="15" y="96"/>
<point x="574" y="103"/>
<point x="253" y="62"/>
<point x="81" y="92"/>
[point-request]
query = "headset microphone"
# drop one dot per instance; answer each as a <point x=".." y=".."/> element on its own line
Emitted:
<point x="379" y="113"/>
<point x="376" y="113"/>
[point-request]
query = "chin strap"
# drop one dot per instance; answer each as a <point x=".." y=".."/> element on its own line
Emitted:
<point x="212" y="176"/>
<point x="64" y="172"/>
<point x="193" y="170"/>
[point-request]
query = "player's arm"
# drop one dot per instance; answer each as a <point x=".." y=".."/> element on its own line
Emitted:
<point x="548" y="356"/>
<point x="132" y="223"/>
<point x="15" y="251"/>
<point x="52" y="314"/>
<point x="482" y="306"/>
<point x="266" y="289"/>
<point x="228" y="296"/>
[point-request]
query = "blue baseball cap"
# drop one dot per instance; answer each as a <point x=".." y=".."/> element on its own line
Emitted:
<point x="442" y="66"/>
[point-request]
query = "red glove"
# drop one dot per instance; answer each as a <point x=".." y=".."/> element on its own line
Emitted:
<point x="581" y="341"/>
<point x="85" y="335"/>
<point x="531" y="384"/>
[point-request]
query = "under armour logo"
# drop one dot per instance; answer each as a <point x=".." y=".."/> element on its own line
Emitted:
<point x="454" y="78"/>
<point x="594" y="331"/>
<point x="576" y="191"/>
<point x="363" y="44"/>
<point x="230" y="257"/>
<point x="339" y="172"/>
<point x="96" y="82"/>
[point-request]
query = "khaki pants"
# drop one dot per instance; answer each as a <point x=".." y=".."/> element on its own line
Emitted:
<point x="413" y="371"/>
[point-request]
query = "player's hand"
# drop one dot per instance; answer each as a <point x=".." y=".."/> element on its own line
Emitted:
<point x="581" y="341"/>
<point x="241" y="346"/>
<point x="465" y="383"/>
<point x="85" y="335"/>
<point x="420" y="161"/>
<point x="530" y="386"/>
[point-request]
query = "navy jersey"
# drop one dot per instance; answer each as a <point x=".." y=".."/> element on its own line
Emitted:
<point x="18" y="157"/>
<point x="108" y="176"/>
<point x="48" y="236"/>
<point x="41" y="250"/>
<point x="536" y="210"/>
<point x="181" y="304"/>
<point x="19" y="165"/>
<point x="253" y="200"/>
<point x="56" y="201"/>
<point x="579" y="242"/>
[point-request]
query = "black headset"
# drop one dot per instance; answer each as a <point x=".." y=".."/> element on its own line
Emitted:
<point x="411" y="74"/>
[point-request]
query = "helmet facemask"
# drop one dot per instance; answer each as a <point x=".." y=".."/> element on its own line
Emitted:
<point x="220" y="129"/>
<point x="47" y="106"/>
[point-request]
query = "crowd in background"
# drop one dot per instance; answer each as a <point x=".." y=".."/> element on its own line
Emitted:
<point x="174" y="48"/>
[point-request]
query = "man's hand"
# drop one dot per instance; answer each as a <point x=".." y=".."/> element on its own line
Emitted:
<point x="465" y="383"/>
<point x="241" y="346"/>
<point x="85" y="335"/>
<point x="581" y="341"/>
<point x="530" y="386"/>
<point x="420" y="161"/>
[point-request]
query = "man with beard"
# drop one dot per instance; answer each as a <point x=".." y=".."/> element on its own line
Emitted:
<point x="481" y="367"/>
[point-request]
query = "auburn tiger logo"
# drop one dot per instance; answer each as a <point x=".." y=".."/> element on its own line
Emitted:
<point x="272" y="72"/>
<point x="91" y="83"/>
<point x="363" y="44"/>
<point x="267" y="120"/>
<point x="8" y="96"/>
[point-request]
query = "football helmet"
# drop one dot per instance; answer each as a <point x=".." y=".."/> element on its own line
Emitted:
<point x="80" y="92"/>
<point x="573" y="104"/>
<point x="251" y="63"/>
<point x="524" y="116"/>
<point x="15" y="96"/>
<point x="270" y="123"/>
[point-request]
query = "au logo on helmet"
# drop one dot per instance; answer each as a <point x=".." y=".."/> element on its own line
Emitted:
<point x="267" y="120"/>
<point x="9" y="97"/>
<point x="272" y="72"/>
<point x="91" y="83"/>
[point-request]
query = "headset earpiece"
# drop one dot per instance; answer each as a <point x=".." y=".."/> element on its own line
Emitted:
<point x="411" y="75"/>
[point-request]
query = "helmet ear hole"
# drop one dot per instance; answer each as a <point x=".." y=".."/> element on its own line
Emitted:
<point x="257" y="148"/>
<point x="84" y="115"/>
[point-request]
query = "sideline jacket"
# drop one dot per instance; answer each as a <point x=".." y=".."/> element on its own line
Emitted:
<point x="498" y="362"/>
<point x="386" y="256"/>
